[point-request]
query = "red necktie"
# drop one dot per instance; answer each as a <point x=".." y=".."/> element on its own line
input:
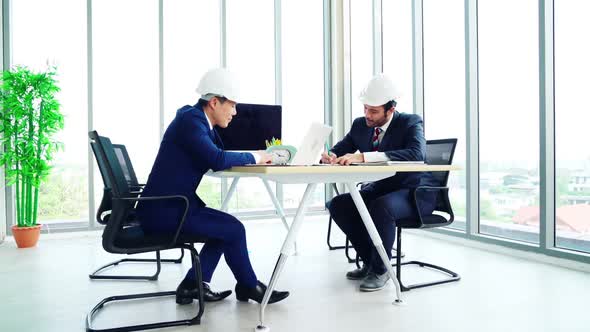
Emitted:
<point x="376" y="138"/>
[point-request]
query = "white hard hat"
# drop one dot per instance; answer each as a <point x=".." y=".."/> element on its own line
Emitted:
<point x="379" y="91"/>
<point x="219" y="82"/>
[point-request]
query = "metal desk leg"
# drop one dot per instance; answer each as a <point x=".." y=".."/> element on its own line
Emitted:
<point x="230" y="193"/>
<point x="278" y="207"/>
<point x="368" y="221"/>
<point x="286" y="251"/>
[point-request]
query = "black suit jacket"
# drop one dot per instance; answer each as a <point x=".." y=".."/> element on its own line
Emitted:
<point x="403" y="140"/>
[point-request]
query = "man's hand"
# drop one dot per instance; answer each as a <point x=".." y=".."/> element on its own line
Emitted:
<point x="350" y="158"/>
<point x="265" y="158"/>
<point x="328" y="158"/>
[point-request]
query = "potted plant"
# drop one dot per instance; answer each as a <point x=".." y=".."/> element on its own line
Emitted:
<point x="29" y="117"/>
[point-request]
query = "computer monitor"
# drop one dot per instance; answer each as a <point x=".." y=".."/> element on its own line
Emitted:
<point x="252" y="125"/>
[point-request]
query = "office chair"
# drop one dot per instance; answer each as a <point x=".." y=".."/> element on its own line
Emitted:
<point x="438" y="152"/>
<point x="347" y="244"/>
<point x="120" y="237"/>
<point x="104" y="212"/>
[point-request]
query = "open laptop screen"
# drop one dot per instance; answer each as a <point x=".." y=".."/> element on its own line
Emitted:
<point x="251" y="127"/>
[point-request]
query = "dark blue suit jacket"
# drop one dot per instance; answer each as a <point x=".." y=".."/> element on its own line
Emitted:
<point x="403" y="140"/>
<point x="188" y="150"/>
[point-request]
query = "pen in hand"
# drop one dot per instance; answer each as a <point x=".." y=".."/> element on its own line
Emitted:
<point x="328" y="157"/>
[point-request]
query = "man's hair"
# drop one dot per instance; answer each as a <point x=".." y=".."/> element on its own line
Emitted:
<point x="202" y="102"/>
<point x="389" y="105"/>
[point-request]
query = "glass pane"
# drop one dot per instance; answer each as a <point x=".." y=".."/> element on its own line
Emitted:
<point x="444" y="88"/>
<point x="397" y="49"/>
<point x="509" y="119"/>
<point x="37" y="37"/>
<point x="126" y="103"/>
<point x="250" y="48"/>
<point x="303" y="75"/>
<point x="250" y="54"/>
<point x="571" y="122"/>
<point x="183" y="38"/>
<point x="361" y="53"/>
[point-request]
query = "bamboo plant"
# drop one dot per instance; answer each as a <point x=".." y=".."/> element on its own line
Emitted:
<point x="30" y="116"/>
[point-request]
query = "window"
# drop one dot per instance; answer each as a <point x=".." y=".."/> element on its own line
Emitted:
<point x="303" y="81"/>
<point x="509" y="119"/>
<point x="250" y="48"/>
<point x="397" y="49"/>
<point x="191" y="47"/>
<point x="444" y="88"/>
<point x="361" y="54"/>
<point x="38" y="38"/>
<point x="126" y="103"/>
<point x="251" y="54"/>
<point x="571" y="122"/>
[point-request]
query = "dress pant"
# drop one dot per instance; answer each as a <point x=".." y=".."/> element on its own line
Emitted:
<point x="226" y="235"/>
<point x="384" y="211"/>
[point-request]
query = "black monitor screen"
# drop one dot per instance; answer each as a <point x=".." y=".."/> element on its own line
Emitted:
<point x="249" y="129"/>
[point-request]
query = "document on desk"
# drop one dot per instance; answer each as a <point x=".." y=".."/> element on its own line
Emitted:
<point x="286" y="165"/>
<point x="266" y="165"/>
<point x="390" y="163"/>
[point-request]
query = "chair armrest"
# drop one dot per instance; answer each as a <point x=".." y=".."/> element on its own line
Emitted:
<point x="105" y="205"/>
<point x="360" y="185"/>
<point x="335" y="187"/>
<point x="445" y="197"/>
<point x="156" y="198"/>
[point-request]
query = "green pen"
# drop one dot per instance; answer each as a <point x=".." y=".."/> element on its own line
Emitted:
<point x="327" y="147"/>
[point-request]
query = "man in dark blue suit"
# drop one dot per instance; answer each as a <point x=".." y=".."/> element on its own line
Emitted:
<point x="191" y="147"/>
<point x="382" y="134"/>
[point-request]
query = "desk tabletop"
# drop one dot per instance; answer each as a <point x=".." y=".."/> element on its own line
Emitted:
<point x="339" y="169"/>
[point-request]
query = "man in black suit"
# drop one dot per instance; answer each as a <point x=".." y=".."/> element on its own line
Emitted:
<point x="382" y="134"/>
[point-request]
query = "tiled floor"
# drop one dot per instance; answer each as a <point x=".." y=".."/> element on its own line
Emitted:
<point x="47" y="289"/>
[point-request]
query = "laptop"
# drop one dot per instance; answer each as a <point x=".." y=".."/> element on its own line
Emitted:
<point x="310" y="150"/>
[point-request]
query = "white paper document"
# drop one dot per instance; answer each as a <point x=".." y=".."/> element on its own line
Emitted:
<point x="390" y="162"/>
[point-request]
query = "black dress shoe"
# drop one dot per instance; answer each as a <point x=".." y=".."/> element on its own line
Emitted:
<point x="257" y="293"/>
<point x="187" y="291"/>
<point x="358" y="274"/>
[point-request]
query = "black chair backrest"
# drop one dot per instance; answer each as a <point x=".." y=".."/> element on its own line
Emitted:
<point x="119" y="189"/>
<point x="440" y="152"/>
<point x="103" y="212"/>
<point x="115" y="175"/>
<point x="126" y="166"/>
<point x="101" y="164"/>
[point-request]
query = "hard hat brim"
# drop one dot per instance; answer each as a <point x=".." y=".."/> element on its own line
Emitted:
<point x="373" y="102"/>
